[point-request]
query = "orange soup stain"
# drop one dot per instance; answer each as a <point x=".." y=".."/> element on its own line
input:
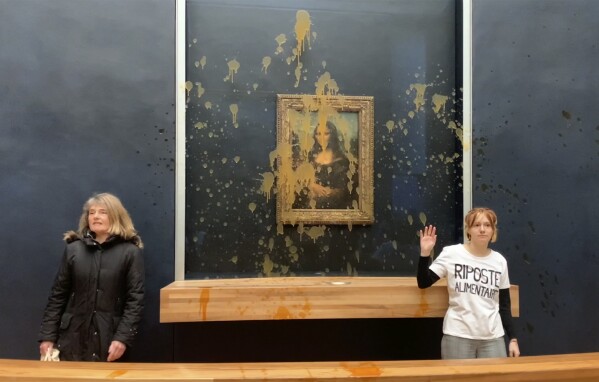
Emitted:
<point x="419" y="100"/>
<point x="306" y="309"/>
<point x="267" y="184"/>
<point x="234" y="111"/>
<point x="204" y="300"/>
<point x="364" y="369"/>
<point x="233" y="68"/>
<point x="116" y="374"/>
<point x="424" y="305"/>
<point x="280" y="39"/>
<point x="302" y="30"/>
<point x="282" y="314"/>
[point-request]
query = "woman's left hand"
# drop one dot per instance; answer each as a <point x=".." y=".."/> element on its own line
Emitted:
<point x="116" y="350"/>
<point x="514" y="349"/>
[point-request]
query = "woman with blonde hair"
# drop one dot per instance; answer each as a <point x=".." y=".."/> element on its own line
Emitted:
<point x="479" y="314"/>
<point x="95" y="304"/>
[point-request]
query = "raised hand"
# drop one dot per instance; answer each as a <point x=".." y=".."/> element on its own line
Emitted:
<point x="428" y="238"/>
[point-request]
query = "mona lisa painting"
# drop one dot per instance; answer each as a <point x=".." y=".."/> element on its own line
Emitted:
<point x="324" y="159"/>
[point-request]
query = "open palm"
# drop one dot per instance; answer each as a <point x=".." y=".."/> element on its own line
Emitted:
<point x="428" y="238"/>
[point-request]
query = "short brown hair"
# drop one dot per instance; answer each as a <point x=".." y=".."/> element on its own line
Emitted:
<point x="473" y="214"/>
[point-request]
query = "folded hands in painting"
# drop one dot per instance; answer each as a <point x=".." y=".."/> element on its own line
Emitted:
<point x="320" y="191"/>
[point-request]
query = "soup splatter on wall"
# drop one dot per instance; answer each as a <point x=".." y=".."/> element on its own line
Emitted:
<point x="236" y="68"/>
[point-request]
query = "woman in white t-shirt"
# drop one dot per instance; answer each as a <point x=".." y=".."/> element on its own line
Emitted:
<point x="479" y="313"/>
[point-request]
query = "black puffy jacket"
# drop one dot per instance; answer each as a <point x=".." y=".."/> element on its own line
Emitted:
<point x="97" y="297"/>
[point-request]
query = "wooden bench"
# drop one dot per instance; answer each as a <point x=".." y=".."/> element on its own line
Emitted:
<point x="566" y="367"/>
<point x="282" y="298"/>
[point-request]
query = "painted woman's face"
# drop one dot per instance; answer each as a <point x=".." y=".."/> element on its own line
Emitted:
<point x="97" y="219"/>
<point x="322" y="134"/>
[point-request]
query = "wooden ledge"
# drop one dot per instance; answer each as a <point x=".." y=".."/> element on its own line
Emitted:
<point x="281" y="298"/>
<point x="563" y="367"/>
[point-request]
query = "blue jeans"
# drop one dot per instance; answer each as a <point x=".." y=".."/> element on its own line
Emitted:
<point x="464" y="348"/>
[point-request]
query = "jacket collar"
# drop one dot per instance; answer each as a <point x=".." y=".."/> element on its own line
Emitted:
<point x="89" y="239"/>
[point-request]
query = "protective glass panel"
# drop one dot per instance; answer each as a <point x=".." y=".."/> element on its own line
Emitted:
<point x="240" y="56"/>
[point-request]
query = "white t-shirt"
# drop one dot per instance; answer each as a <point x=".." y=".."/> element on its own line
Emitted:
<point x="473" y="284"/>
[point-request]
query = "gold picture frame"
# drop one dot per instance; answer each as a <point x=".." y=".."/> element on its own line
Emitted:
<point x="324" y="156"/>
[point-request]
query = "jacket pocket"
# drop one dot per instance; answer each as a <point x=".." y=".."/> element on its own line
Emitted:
<point x="65" y="321"/>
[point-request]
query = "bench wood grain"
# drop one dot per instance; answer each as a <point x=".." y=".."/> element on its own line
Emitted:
<point x="583" y="367"/>
<point x="281" y="298"/>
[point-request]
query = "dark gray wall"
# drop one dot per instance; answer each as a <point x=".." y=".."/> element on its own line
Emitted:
<point x="87" y="106"/>
<point x="536" y="130"/>
<point x="417" y="45"/>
